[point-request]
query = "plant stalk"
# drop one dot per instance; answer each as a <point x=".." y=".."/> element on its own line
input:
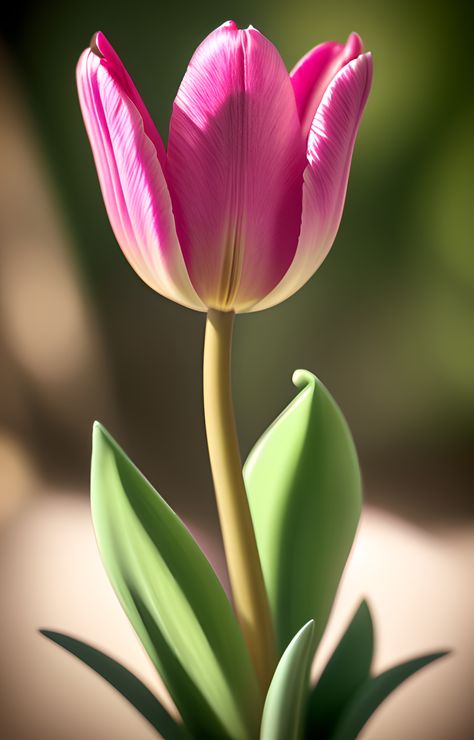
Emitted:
<point x="243" y="561"/>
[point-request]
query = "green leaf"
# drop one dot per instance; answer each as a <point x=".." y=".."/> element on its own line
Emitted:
<point x="173" y="599"/>
<point x="284" y="709"/>
<point x="345" y="672"/>
<point x="304" y="490"/>
<point x="125" y="682"/>
<point x="373" y="692"/>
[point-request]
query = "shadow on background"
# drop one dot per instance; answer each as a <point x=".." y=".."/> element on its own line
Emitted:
<point x="386" y="322"/>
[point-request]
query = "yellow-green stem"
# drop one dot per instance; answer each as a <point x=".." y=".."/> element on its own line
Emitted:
<point x="243" y="562"/>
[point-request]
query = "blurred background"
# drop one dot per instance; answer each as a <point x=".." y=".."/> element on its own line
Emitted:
<point x="387" y="324"/>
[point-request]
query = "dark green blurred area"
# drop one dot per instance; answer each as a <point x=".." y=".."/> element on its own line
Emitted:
<point x="386" y="323"/>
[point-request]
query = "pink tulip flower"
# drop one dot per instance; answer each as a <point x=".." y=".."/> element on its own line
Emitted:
<point x="244" y="205"/>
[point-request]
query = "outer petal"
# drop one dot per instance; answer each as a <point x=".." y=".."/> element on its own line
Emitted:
<point x="129" y="154"/>
<point x="313" y="74"/>
<point x="236" y="157"/>
<point x="330" y="146"/>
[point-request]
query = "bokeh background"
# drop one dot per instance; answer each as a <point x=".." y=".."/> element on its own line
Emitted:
<point x="387" y="324"/>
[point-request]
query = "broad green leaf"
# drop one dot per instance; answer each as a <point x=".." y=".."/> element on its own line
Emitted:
<point x="285" y="706"/>
<point x="125" y="682"/>
<point x="173" y="599"/>
<point x="304" y="489"/>
<point x="373" y="692"/>
<point x="347" y="669"/>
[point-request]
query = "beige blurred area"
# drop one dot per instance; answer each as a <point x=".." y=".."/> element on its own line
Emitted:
<point x="416" y="583"/>
<point x="388" y="331"/>
<point x="52" y="369"/>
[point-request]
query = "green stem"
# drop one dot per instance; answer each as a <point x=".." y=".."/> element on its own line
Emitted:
<point x="243" y="562"/>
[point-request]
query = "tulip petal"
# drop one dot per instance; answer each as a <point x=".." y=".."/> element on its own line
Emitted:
<point x="312" y="75"/>
<point x="330" y="146"/>
<point x="104" y="49"/>
<point x="236" y="157"/>
<point x="129" y="157"/>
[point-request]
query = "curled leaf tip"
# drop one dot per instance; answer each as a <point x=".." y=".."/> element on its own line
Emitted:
<point x="302" y="378"/>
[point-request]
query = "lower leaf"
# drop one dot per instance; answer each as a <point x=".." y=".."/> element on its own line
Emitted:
<point x="284" y="709"/>
<point x="124" y="682"/>
<point x="345" y="672"/>
<point x="173" y="599"/>
<point x="373" y="692"/>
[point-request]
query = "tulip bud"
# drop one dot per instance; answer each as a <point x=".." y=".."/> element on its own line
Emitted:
<point x="244" y="206"/>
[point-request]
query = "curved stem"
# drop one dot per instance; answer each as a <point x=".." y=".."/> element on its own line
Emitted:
<point x="243" y="562"/>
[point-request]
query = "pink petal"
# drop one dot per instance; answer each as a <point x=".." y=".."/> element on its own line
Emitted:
<point x="315" y="71"/>
<point x="236" y="157"/>
<point x="101" y="46"/>
<point x="330" y="146"/>
<point x="128" y="153"/>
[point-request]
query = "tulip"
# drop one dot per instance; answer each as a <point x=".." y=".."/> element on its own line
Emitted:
<point x="235" y="216"/>
<point x="243" y="207"/>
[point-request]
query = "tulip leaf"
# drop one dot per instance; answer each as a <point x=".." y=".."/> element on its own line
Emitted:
<point x="124" y="682"/>
<point x="373" y="692"/>
<point x="173" y="598"/>
<point x="346" y="671"/>
<point x="304" y="490"/>
<point x="285" y="705"/>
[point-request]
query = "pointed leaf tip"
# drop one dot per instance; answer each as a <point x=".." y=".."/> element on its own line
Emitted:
<point x="284" y="710"/>
<point x="99" y="431"/>
<point x="307" y="629"/>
